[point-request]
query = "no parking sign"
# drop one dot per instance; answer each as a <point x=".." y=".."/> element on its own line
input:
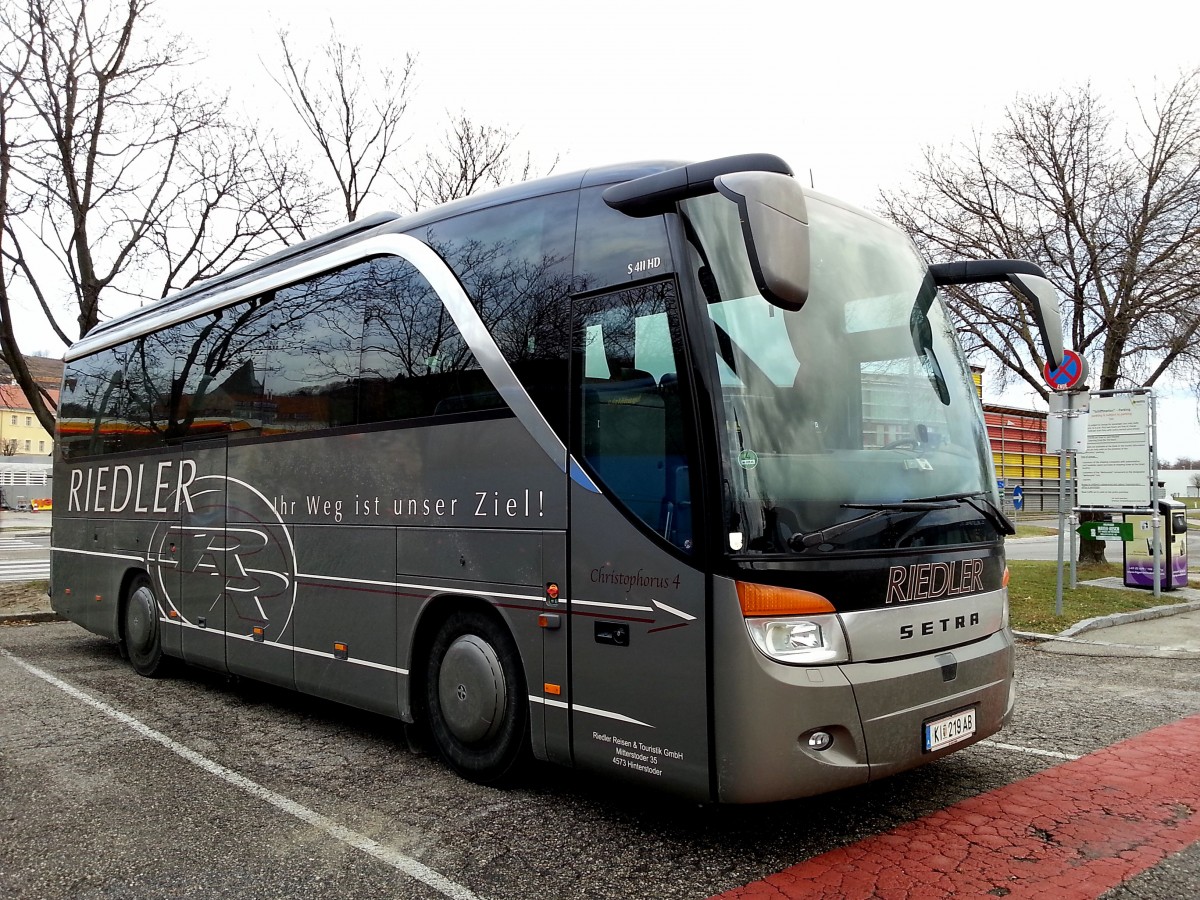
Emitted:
<point x="1072" y="372"/>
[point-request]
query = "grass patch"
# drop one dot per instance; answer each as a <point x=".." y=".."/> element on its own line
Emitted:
<point x="1032" y="588"/>
<point x="1024" y="531"/>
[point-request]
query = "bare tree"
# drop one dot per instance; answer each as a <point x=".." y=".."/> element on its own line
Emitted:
<point x="471" y="157"/>
<point x="114" y="177"/>
<point x="1115" y="222"/>
<point x="354" y="116"/>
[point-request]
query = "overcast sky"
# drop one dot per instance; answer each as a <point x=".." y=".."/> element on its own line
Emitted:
<point x="851" y="92"/>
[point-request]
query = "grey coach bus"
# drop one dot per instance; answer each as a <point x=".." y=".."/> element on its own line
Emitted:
<point x="674" y="472"/>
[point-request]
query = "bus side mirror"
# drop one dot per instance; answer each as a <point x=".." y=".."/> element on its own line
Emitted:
<point x="1047" y="317"/>
<point x="775" y="228"/>
<point x="1028" y="280"/>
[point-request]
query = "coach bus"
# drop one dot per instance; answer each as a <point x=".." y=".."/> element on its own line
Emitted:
<point x="674" y="472"/>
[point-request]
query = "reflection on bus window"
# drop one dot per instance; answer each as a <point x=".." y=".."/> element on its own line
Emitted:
<point x="631" y="417"/>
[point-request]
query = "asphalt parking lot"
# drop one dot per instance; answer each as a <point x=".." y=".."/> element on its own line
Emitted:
<point x="117" y="786"/>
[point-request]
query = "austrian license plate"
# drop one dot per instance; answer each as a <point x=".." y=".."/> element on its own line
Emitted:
<point x="949" y="729"/>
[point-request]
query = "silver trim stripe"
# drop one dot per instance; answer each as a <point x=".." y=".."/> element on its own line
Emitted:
<point x="140" y="559"/>
<point x="590" y="710"/>
<point x="537" y="598"/>
<point x="612" y="605"/>
<point x="673" y="611"/>
<point x="278" y="646"/>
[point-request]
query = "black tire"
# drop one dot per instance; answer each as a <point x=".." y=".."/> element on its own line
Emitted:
<point x="475" y="698"/>
<point x="140" y="629"/>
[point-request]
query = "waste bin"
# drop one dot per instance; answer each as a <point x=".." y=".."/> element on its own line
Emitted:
<point x="1172" y="538"/>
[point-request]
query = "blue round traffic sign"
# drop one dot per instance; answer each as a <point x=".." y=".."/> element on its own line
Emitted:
<point x="1072" y="371"/>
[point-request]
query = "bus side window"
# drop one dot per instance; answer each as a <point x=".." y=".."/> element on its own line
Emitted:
<point x="310" y="364"/>
<point x="514" y="262"/>
<point x="630" y="425"/>
<point x="415" y="362"/>
<point x="92" y="414"/>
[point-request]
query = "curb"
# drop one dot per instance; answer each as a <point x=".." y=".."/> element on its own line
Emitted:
<point x="1141" y="615"/>
<point x="1069" y="646"/>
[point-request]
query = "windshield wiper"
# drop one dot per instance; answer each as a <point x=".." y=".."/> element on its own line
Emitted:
<point x="1002" y="523"/>
<point x="800" y="542"/>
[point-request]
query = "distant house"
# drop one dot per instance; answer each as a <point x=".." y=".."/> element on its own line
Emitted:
<point x="45" y="371"/>
<point x="21" y="434"/>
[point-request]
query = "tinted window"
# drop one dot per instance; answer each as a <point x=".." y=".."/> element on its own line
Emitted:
<point x="92" y="410"/>
<point x="514" y="262"/>
<point x="368" y="343"/>
<point x="218" y="374"/>
<point x="309" y="366"/>
<point x="631" y="425"/>
<point x="414" y="361"/>
<point x="614" y="248"/>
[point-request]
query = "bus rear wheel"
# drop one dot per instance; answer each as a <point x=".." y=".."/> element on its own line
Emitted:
<point x="141" y="634"/>
<point x="475" y="697"/>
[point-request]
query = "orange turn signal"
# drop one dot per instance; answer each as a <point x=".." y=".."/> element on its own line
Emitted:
<point x="768" y="600"/>
<point x="552" y="688"/>
<point x="1004" y="580"/>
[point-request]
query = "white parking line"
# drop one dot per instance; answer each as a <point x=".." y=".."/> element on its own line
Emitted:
<point x="393" y="858"/>
<point x="32" y="570"/>
<point x="1032" y="751"/>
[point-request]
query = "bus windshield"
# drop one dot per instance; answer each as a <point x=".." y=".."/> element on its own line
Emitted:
<point x="861" y="398"/>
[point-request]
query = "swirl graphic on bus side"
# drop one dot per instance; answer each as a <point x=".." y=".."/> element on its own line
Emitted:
<point x="231" y="549"/>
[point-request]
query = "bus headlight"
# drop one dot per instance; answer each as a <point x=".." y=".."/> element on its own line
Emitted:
<point x="799" y="640"/>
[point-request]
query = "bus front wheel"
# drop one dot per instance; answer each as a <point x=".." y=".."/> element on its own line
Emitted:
<point x="141" y="633"/>
<point x="475" y="697"/>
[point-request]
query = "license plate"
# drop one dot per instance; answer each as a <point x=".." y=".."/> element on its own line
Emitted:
<point x="949" y="729"/>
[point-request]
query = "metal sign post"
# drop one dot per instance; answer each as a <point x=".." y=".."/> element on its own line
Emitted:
<point x="1065" y="433"/>
<point x="1073" y="519"/>
<point x="1062" y="523"/>
<point x="1155" y="522"/>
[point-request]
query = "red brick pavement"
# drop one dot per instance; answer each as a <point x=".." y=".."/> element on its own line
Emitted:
<point x="1073" y="831"/>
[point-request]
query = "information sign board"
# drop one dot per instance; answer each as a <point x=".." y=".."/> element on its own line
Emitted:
<point x="1114" y="470"/>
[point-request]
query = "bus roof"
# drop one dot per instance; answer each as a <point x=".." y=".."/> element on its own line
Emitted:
<point x="378" y="223"/>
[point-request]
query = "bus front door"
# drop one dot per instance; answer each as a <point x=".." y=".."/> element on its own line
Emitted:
<point x="638" y="623"/>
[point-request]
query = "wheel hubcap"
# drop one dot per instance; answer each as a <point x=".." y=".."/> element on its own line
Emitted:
<point x="471" y="689"/>
<point x="139" y="622"/>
